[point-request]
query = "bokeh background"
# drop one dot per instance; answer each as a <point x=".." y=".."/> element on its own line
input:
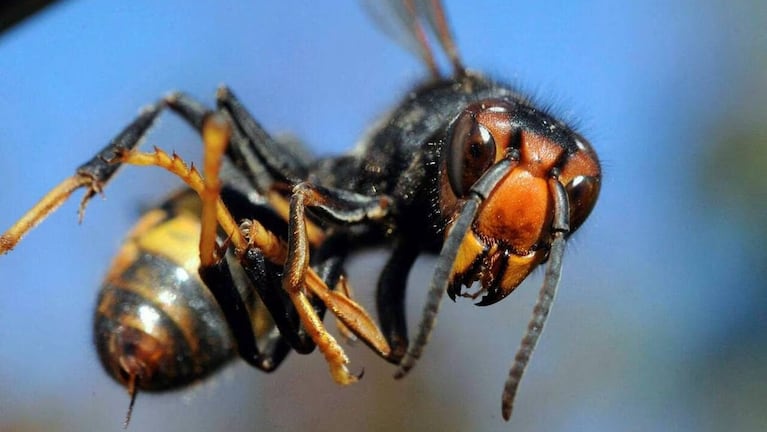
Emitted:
<point x="660" y="323"/>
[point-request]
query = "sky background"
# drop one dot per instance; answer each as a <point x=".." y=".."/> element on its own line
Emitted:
<point x="659" y="322"/>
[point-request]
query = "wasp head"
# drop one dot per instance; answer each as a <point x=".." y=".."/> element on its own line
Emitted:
<point x="513" y="159"/>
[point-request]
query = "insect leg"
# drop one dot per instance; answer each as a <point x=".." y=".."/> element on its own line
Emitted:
<point x="218" y="278"/>
<point x="258" y="156"/>
<point x="276" y="300"/>
<point x="273" y="249"/>
<point x="333" y="206"/>
<point x="216" y="272"/>
<point x="266" y="280"/>
<point x="255" y="151"/>
<point x="264" y="277"/>
<point x="390" y="297"/>
<point x="327" y="261"/>
<point x="331" y="255"/>
<point x="216" y="134"/>
<point x="92" y="175"/>
<point x="244" y="204"/>
<point x="269" y="166"/>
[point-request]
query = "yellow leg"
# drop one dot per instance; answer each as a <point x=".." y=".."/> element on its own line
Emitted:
<point x="343" y="288"/>
<point x="47" y="205"/>
<point x="215" y="135"/>
<point x="281" y="205"/>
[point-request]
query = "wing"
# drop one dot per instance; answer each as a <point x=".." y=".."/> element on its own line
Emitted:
<point x="408" y="21"/>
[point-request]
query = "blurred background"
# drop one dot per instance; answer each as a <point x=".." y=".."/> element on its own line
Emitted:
<point x="660" y="322"/>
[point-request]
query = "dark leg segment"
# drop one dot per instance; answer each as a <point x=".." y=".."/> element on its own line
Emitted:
<point x="390" y="297"/>
<point x="265" y="279"/>
<point x="190" y="110"/>
<point x="337" y="206"/>
<point x="252" y="150"/>
<point x="218" y="278"/>
<point x="100" y="168"/>
<point x="93" y="175"/>
<point x="258" y="151"/>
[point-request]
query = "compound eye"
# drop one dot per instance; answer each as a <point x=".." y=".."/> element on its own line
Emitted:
<point x="582" y="192"/>
<point x="470" y="152"/>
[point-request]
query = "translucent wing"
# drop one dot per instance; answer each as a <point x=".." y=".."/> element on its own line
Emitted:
<point x="410" y="22"/>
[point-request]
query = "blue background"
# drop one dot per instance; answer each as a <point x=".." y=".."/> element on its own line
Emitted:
<point x="659" y="323"/>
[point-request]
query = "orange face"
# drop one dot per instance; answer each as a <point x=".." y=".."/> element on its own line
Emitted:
<point x="511" y="232"/>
